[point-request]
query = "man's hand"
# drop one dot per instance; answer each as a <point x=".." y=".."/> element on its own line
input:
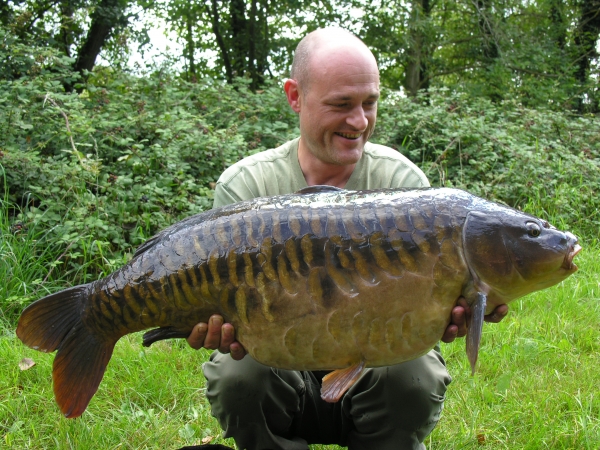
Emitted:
<point x="459" y="317"/>
<point x="216" y="335"/>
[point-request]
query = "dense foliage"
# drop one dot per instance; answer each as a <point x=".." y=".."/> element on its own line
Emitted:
<point x="89" y="174"/>
<point x="540" y="52"/>
<point x="126" y="156"/>
<point x="540" y="160"/>
<point x="533" y="51"/>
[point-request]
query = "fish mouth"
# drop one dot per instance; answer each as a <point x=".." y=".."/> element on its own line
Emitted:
<point x="568" y="262"/>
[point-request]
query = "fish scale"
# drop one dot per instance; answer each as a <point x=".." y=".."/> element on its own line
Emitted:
<point x="324" y="279"/>
<point x="325" y="269"/>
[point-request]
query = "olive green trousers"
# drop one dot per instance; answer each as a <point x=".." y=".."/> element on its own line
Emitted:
<point x="388" y="408"/>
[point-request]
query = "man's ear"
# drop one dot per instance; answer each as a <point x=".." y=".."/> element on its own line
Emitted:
<point x="293" y="94"/>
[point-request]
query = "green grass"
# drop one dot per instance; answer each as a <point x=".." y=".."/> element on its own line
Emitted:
<point x="149" y="399"/>
<point x="31" y="259"/>
<point x="537" y="382"/>
<point x="536" y="387"/>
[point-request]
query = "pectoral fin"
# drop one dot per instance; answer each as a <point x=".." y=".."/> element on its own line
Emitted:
<point x="475" y="328"/>
<point x="336" y="383"/>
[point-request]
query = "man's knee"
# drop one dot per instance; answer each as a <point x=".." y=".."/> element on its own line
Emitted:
<point x="233" y="383"/>
<point x="421" y="386"/>
<point x="422" y="381"/>
<point x="401" y="402"/>
<point x="254" y="404"/>
<point x="248" y="386"/>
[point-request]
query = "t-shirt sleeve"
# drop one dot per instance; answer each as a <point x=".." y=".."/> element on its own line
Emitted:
<point x="410" y="177"/>
<point x="272" y="172"/>
<point x="234" y="189"/>
<point x="223" y="196"/>
<point x="383" y="167"/>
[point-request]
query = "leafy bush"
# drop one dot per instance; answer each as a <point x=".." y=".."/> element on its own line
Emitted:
<point x="539" y="160"/>
<point x="126" y="156"/>
<point x="98" y="171"/>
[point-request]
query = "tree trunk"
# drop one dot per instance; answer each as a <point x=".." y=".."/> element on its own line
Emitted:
<point x="239" y="36"/>
<point x="254" y="41"/>
<point x="66" y="26"/>
<point x="108" y="15"/>
<point x="490" y="47"/>
<point x="416" y="75"/>
<point x="558" y="25"/>
<point x="263" y="45"/>
<point x="191" y="48"/>
<point x="221" y="42"/>
<point x="586" y="37"/>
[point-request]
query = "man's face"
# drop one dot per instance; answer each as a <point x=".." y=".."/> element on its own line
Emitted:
<point x="338" y="110"/>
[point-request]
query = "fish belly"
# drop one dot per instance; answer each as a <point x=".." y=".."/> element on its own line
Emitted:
<point x="390" y="321"/>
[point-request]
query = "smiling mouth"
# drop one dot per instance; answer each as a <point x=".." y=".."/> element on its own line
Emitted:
<point x="350" y="135"/>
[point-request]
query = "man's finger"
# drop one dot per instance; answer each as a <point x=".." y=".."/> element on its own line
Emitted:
<point x="459" y="318"/>
<point x="197" y="336"/>
<point x="237" y="351"/>
<point x="465" y="305"/>
<point x="450" y="334"/>
<point x="497" y="314"/>
<point x="227" y="337"/>
<point x="213" y="336"/>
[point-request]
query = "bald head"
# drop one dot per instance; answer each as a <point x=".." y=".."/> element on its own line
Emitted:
<point x="318" y="46"/>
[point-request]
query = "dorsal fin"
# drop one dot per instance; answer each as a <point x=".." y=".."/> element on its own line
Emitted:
<point x="191" y="221"/>
<point x="318" y="189"/>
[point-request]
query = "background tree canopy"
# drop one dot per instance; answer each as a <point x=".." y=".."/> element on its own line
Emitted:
<point x="540" y="52"/>
<point x="499" y="98"/>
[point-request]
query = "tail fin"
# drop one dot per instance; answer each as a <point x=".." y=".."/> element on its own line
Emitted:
<point x="54" y="322"/>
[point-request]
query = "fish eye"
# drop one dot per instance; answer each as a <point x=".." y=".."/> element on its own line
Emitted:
<point x="533" y="229"/>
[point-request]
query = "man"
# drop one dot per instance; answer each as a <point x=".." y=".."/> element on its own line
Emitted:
<point x="334" y="88"/>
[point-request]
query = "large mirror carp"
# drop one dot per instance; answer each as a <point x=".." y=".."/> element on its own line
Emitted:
<point x="324" y="279"/>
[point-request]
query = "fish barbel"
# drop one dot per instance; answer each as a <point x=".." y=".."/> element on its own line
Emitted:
<point x="324" y="279"/>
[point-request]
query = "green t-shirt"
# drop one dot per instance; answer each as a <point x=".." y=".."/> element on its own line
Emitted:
<point x="277" y="171"/>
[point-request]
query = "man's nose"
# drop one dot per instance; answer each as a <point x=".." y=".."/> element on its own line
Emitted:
<point x="357" y="118"/>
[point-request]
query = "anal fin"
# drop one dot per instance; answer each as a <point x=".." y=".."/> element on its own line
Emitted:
<point x="158" y="334"/>
<point x="336" y="383"/>
<point x="474" y="329"/>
